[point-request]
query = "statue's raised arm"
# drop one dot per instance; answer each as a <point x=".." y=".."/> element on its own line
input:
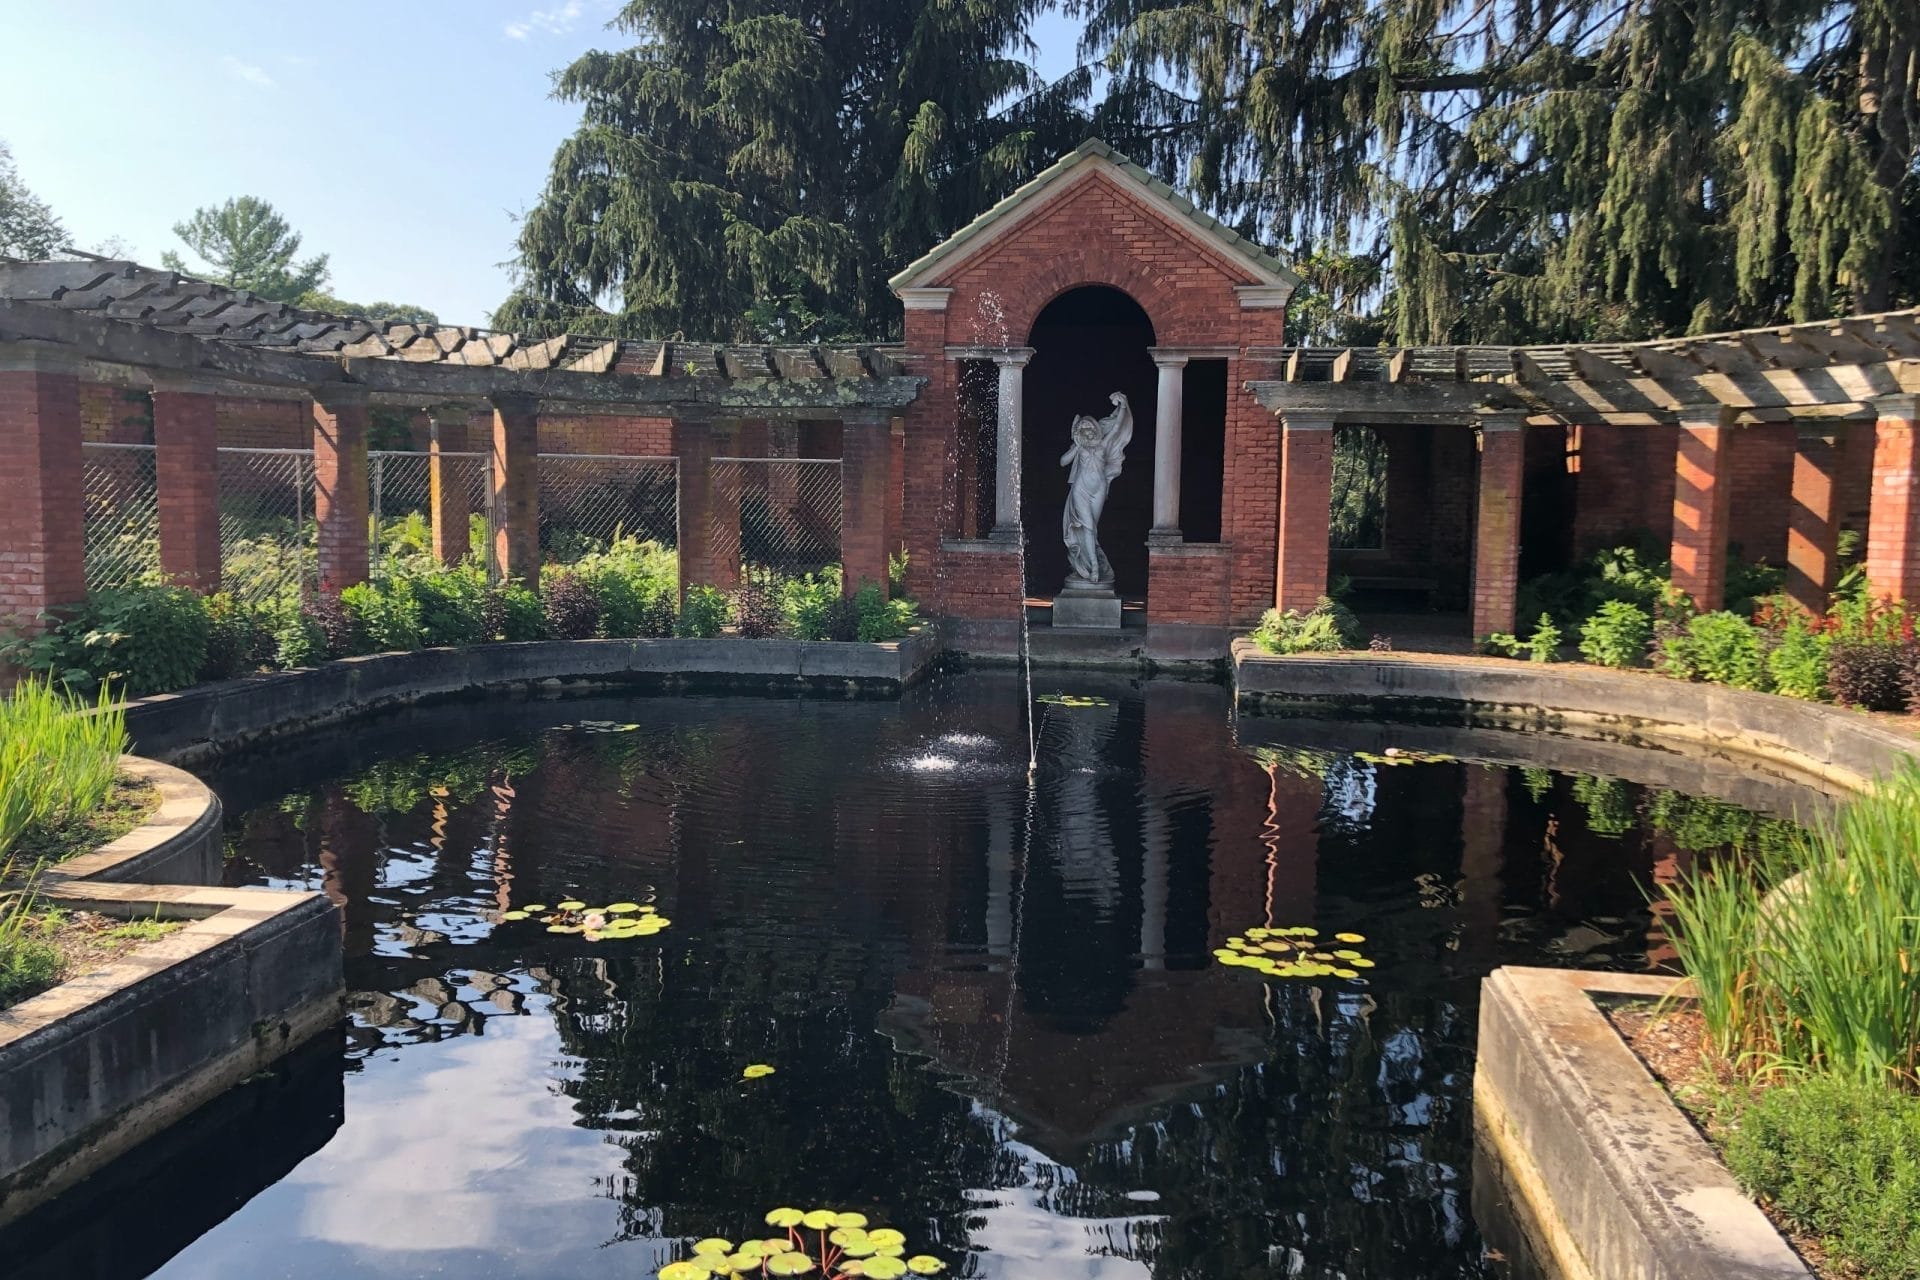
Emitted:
<point x="1117" y="429"/>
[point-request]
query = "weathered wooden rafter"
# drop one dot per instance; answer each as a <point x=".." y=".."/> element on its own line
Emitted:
<point x="118" y="314"/>
<point x="1826" y="370"/>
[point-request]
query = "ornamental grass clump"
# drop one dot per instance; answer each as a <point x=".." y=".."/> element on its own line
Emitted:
<point x="1327" y="627"/>
<point x="1806" y="956"/>
<point x="59" y="757"/>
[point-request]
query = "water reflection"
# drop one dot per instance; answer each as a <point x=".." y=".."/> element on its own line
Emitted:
<point x="990" y="999"/>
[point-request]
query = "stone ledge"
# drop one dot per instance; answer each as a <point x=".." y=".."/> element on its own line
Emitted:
<point x="179" y="843"/>
<point x="198" y="723"/>
<point x="1610" y="1175"/>
<point x="110" y="1057"/>
<point x="1844" y="749"/>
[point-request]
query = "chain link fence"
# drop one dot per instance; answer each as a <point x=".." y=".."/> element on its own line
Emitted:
<point x="775" y="517"/>
<point x="400" y="498"/>
<point x="267" y="530"/>
<point x="589" y="499"/>
<point x="122" y="500"/>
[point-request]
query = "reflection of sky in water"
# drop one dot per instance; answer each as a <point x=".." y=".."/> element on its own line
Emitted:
<point x="459" y="1158"/>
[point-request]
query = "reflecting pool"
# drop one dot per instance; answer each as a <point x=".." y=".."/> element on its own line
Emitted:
<point x="991" y="1001"/>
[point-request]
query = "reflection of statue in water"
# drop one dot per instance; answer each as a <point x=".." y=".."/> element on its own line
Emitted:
<point x="1099" y="450"/>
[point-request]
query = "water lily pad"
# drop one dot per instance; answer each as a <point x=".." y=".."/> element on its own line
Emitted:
<point x="1345" y="973"/>
<point x="513" y="915"/>
<point x="789" y="1264"/>
<point x="1345" y="954"/>
<point x="1349" y="937"/>
<point x="886" y="1238"/>
<point x="1361" y="963"/>
<point x="623" y="908"/>
<point x="563" y="928"/>
<point x="785" y="1218"/>
<point x="818" y="1219"/>
<point x="846" y="1236"/>
<point x="881" y="1267"/>
<point x="573" y="904"/>
<point x="849" y="1220"/>
<point x="925" y="1264"/>
<point x="690" y="1270"/>
<point x="714" y="1244"/>
<point x="777" y="1244"/>
<point x="535" y="907"/>
<point x="1222" y="954"/>
<point x="756" y="1071"/>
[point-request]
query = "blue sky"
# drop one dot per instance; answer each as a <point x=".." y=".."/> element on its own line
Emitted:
<point x="400" y="139"/>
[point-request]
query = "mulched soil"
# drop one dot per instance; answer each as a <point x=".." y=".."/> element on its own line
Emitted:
<point x="130" y="804"/>
<point x="1671" y="1046"/>
<point x="85" y="940"/>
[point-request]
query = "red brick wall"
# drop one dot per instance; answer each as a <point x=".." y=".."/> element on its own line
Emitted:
<point x="1189" y="583"/>
<point x="980" y="583"/>
<point x="1762" y="483"/>
<point x="1496" y="559"/>
<point x="42" y="534"/>
<point x="1702" y="500"/>
<point x="1893" y="537"/>
<point x="1306" y="482"/>
<point x="187" y="475"/>
<point x="340" y="489"/>
<point x="1624" y="486"/>
<point x="606" y="433"/>
<point x="114" y="415"/>
<point x="250" y="423"/>
<point x="1094" y="231"/>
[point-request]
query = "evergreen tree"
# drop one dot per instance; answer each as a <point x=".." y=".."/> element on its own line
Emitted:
<point x="1557" y="170"/>
<point x="28" y="227"/>
<point x="755" y="169"/>
<point x="246" y="244"/>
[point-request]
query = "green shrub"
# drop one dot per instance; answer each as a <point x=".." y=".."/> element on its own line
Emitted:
<point x="142" y="639"/>
<point x="385" y="616"/>
<point x="1544" y="644"/>
<point x="627" y="579"/>
<point x="703" y="613"/>
<point x="1617" y="635"/>
<point x="1838" y="1159"/>
<point x="29" y="961"/>
<point x="881" y="619"/>
<point x="512" y="612"/>
<point x="299" y="641"/>
<point x="1797" y="665"/>
<point x="1327" y="627"/>
<point x="239" y="637"/>
<point x="452" y="603"/>
<point x="1724" y="648"/>
<point x="1748" y="584"/>
<point x="807" y="600"/>
<point x="572" y="605"/>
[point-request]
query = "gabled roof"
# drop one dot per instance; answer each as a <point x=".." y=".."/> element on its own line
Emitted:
<point x="1094" y="155"/>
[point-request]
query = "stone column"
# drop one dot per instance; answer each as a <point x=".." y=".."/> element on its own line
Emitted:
<point x="1496" y="530"/>
<point x="866" y="448"/>
<point x="1306" y="494"/>
<point x="515" y="488"/>
<point x="340" y="484"/>
<point x="449" y="499"/>
<point x="186" y="468"/>
<point x="1893" y="521"/>
<point x="1702" y="498"/>
<point x="43" y="536"/>
<point x="1813" y="522"/>
<point x="1006" y="478"/>
<point x="1166" y="445"/>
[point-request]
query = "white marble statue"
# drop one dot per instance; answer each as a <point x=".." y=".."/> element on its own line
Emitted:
<point x="1098" y="452"/>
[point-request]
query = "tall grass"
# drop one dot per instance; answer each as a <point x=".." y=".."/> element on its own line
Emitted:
<point x="1808" y="956"/>
<point x="58" y="757"/>
<point x="28" y="960"/>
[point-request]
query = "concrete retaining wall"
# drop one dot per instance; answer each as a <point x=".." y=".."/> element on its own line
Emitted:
<point x="194" y="723"/>
<point x="110" y="1057"/>
<point x="1612" y="1179"/>
<point x="1843" y="748"/>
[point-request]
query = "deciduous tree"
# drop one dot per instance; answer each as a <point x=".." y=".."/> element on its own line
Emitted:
<point x="246" y="244"/>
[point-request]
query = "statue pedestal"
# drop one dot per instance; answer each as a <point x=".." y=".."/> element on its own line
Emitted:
<point x="1087" y="607"/>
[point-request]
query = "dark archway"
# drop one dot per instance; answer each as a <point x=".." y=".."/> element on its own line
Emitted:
<point x="1087" y="343"/>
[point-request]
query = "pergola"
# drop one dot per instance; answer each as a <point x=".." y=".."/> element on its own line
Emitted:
<point x="1820" y="377"/>
<point x="188" y="342"/>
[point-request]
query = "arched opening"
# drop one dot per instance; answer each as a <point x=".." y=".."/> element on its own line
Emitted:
<point x="1087" y="343"/>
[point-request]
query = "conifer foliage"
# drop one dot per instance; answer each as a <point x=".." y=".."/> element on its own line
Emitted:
<point x="1548" y="169"/>
<point x="754" y="169"/>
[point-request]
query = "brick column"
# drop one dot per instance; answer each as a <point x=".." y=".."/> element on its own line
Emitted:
<point x="340" y="484"/>
<point x="866" y="451"/>
<point x="1496" y="527"/>
<point x="1702" y="497"/>
<point x="450" y="500"/>
<point x="1306" y="494"/>
<point x="186" y="466"/>
<point x="1813" y="522"/>
<point x="43" y="537"/>
<point x="896" y="485"/>
<point x="515" y="488"/>
<point x="693" y="446"/>
<point x="1893" y="521"/>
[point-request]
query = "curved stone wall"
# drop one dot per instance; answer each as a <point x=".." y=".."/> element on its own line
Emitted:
<point x="1829" y="747"/>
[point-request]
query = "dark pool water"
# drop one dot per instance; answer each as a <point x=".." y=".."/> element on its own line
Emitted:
<point x="991" y="1001"/>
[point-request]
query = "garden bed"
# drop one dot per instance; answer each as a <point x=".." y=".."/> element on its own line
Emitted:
<point x="131" y="802"/>
<point x="51" y="944"/>
<point x="1670" y="1044"/>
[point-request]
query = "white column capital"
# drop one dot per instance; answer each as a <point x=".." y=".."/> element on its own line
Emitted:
<point x="1485" y="422"/>
<point x="1166" y="359"/>
<point x="1305" y="421"/>
<point x="1706" y="415"/>
<point x="1012" y="357"/>
<point x="1905" y="407"/>
<point x="925" y="299"/>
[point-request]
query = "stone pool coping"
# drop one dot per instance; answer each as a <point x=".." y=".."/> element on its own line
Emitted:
<point x="1611" y="1177"/>
<point x="110" y="1056"/>
<point x="200" y="722"/>
<point x="1842" y="748"/>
